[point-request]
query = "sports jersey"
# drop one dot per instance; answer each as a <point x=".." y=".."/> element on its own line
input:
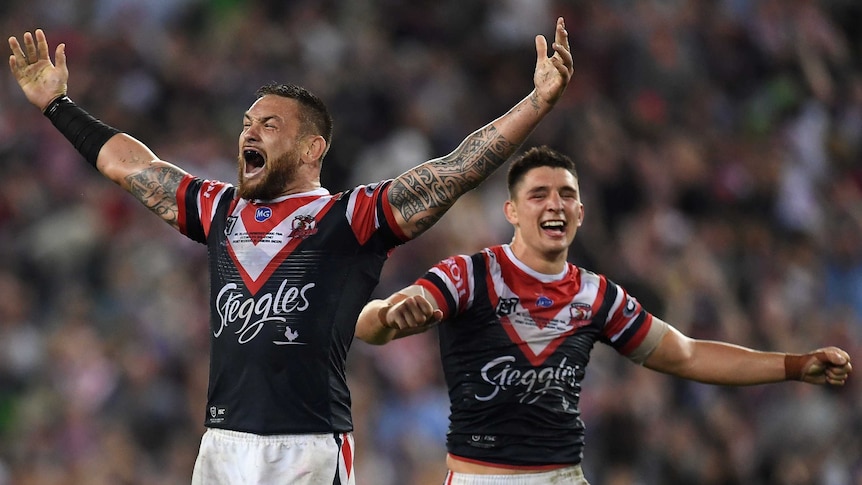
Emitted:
<point x="515" y="345"/>
<point x="288" y="280"/>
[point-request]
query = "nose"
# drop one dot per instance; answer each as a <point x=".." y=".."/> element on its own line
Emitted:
<point x="555" y="203"/>
<point x="250" y="133"/>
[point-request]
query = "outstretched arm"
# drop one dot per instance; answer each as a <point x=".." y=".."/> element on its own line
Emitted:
<point x="121" y="158"/>
<point x="722" y="363"/>
<point x="420" y="196"/>
<point x="407" y="312"/>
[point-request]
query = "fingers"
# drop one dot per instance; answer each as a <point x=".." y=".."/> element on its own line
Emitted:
<point x="41" y="45"/>
<point x="18" y="59"/>
<point x="412" y="312"/>
<point x="836" y="365"/>
<point x="30" y="47"/>
<point x="561" y="46"/>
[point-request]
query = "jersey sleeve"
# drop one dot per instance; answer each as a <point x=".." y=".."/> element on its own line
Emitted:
<point x="451" y="283"/>
<point x="369" y="211"/>
<point x="629" y="327"/>
<point x="197" y="200"/>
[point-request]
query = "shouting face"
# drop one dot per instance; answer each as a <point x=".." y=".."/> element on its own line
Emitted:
<point x="270" y="148"/>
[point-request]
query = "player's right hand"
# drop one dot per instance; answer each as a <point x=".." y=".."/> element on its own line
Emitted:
<point x="38" y="77"/>
<point x="411" y="312"/>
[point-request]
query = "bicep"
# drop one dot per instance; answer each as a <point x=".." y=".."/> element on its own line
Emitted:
<point x="672" y="354"/>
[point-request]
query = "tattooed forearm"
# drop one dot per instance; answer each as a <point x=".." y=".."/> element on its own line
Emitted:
<point x="156" y="188"/>
<point x="425" y="193"/>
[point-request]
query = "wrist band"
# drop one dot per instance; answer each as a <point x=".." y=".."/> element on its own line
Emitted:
<point x="86" y="133"/>
<point x="793" y="364"/>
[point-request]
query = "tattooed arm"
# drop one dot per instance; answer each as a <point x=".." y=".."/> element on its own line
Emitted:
<point x="118" y="156"/>
<point x="135" y="168"/>
<point x="420" y="196"/>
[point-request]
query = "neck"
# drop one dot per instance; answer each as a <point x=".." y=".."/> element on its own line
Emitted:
<point x="552" y="262"/>
<point x="298" y="188"/>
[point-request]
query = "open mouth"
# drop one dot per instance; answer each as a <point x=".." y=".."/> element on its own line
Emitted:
<point x="254" y="160"/>
<point x="554" y="226"/>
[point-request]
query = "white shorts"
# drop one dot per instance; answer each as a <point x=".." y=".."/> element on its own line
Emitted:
<point x="570" y="475"/>
<point x="233" y="458"/>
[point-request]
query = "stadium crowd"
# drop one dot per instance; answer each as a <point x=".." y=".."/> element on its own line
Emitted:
<point x="720" y="157"/>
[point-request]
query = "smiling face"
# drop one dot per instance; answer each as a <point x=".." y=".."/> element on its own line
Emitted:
<point x="545" y="209"/>
<point x="272" y="149"/>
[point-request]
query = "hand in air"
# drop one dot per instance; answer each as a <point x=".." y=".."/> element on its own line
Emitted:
<point x="553" y="73"/>
<point x="38" y="77"/>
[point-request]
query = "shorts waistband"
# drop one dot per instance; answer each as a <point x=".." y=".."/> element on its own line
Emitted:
<point x="243" y="437"/>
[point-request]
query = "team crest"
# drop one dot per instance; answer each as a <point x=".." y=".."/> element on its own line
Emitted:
<point x="303" y="226"/>
<point x="579" y="312"/>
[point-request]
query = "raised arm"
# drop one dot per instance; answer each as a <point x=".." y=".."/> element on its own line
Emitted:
<point x="420" y="196"/>
<point x="722" y="363"/>
<point x="406" y="312"/>
<point x="119" y="157"/>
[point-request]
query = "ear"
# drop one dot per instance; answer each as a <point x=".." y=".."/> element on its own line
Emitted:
<point x="580" y="214"/>
<point x="511" y="212"/>
<point x="314" y="148"/>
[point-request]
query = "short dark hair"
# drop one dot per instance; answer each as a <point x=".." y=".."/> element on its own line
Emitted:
<point x="541" y="156"/>
<point x="315" y="116"/>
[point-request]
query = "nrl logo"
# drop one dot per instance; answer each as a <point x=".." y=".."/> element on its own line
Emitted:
<point x="303" y="226"/>
<point x="213" y="411"/>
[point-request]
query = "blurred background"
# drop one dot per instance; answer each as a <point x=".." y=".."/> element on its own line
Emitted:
<point x="719" y="145"/>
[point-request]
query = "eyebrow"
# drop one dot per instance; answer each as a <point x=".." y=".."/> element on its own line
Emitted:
<point x="262" y="119"/>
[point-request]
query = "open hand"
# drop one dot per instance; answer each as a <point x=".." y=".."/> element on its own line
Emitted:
<point x="38" y="77"/>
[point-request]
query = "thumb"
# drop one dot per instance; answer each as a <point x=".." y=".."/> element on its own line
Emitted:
<point x="60" y="56"/>
<point x="833" y="356"/>
<point x="541" y="47"/>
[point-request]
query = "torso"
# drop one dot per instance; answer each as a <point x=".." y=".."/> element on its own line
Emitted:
<point x="515" y="346"/>
<point x="288" y="279"/>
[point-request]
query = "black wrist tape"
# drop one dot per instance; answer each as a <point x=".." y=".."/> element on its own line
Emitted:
<point x="86" y="133"/>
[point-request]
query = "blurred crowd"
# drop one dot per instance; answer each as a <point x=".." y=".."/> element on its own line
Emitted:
<point x="719" y="145"/>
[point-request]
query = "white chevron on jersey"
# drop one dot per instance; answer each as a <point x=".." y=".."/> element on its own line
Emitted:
<point x="258" y="243"/>
<point x="538" y="323"/>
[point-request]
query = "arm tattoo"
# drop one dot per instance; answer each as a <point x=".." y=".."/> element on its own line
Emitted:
<point x="424" y="194"/>
<point x="156" y="188"/>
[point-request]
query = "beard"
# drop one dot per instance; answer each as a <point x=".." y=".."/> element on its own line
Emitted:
<point x="279" y="173"/>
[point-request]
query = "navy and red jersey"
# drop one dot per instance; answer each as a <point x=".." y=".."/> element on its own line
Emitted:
<point x="515" y="345"/>
<point x="288" y="280"/>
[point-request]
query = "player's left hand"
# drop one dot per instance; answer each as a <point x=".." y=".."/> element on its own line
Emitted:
<point x="829" y="365"/>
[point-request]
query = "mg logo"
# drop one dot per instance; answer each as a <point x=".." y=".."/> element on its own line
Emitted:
<point x="262" y="214"/>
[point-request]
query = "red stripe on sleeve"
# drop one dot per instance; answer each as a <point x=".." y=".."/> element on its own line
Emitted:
<point x="435" y="292"/>
<point x="182" y="221"/>
<point x="389" y="214"/>
<point x="638" y="337"/>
